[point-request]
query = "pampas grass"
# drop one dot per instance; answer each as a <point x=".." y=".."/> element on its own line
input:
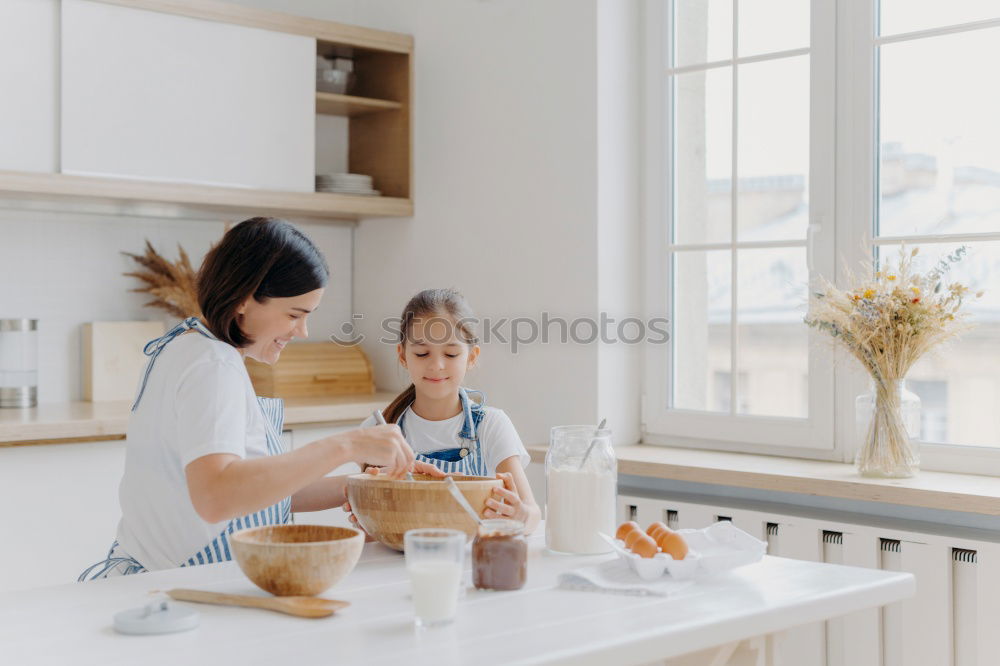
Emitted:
<point x="888" y="322"/>
<point x="171" y="284"/>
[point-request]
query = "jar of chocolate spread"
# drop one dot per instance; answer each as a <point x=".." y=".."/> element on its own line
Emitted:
<point x="500" y="555"/>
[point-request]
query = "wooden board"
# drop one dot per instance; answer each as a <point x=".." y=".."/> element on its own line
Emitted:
<point x="112" y="357"/>
<point x="231" y="200"/>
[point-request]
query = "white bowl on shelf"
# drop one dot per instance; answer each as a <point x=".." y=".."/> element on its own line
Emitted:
<point x="333" y="81"/>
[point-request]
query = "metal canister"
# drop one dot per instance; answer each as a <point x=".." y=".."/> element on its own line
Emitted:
<point x="18" y="362"/>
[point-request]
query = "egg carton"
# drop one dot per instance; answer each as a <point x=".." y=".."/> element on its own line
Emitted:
<point x="712" y="550"/>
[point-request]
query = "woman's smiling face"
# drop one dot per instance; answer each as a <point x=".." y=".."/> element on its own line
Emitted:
<point x="436" y="356"/>
<point x="274" y="323"/>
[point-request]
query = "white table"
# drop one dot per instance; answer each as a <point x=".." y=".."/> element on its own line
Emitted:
<point x="538" y="624"/>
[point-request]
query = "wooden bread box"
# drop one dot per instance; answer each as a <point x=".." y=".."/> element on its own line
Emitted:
<point x="314" y="370"/>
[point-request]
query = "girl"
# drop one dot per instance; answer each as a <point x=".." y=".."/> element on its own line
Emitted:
<point x="204" y="455"/>
<point x="440" y="420"/>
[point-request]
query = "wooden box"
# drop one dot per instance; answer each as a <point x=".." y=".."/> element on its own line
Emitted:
<point x="314" y="370"/>
<point x="112" y="357"/>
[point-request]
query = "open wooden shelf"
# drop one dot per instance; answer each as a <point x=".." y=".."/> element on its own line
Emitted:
<point x="239" y="201"/>
<point x="331" y="104"/>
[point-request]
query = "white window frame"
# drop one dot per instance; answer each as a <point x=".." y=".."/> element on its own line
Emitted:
<point x="843" y="47"/>
<point x="807" y="437"/>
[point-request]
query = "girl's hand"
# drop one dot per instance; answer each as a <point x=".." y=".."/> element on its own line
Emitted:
<point x="505" y="502"/>
<point x="420" y="467"/>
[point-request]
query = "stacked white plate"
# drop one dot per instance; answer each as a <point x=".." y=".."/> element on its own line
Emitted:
<point x="346" y="183"/>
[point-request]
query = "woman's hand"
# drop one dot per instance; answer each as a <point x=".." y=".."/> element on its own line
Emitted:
<point x="383" y="446"/>
<point x="506" y="503"/>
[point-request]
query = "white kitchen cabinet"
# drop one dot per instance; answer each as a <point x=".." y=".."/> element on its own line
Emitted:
<point x="157" y="96"/>
<point x="61" y="511"/>
<point x="29" y="81"/>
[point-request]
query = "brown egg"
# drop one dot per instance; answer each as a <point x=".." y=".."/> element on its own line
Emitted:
<point x="655" y="528"/>
<point x="644" y="546"/>
<point x="632" y="537"/>
<point x="673" y="544"/>
<point x="625" y="528"/>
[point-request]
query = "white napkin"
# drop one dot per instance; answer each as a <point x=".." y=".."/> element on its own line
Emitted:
<point x="615" y="577"/>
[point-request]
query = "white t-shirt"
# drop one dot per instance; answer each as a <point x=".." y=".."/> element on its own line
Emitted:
<point x="198" y="401"/>
<point x="498" y="439"/>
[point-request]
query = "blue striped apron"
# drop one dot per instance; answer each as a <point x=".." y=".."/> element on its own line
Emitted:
<point x="118" y="562"/>
<point x="468" y="459"/>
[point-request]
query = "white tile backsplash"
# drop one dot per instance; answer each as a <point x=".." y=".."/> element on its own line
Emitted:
<point x="66" y="269"/>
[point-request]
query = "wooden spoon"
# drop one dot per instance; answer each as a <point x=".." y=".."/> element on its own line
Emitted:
<point x="300" y="606"/>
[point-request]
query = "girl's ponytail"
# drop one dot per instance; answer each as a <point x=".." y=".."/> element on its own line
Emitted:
<point x="399" y="405"/>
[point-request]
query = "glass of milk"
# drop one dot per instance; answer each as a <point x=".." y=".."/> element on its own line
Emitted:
<point x="581" y="490"/>
<point x="434" y="560"/>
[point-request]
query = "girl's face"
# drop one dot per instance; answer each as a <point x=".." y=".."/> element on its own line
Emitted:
<point x="436" y="356"/>
<point x="274" y="323"/>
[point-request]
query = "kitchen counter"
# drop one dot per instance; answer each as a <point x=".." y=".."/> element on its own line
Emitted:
<point x="538" y="624"/>
<point x="83" y="421"/>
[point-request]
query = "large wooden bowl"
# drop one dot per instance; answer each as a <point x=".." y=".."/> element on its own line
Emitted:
<point x="387" y="508"/>
<point x="288" y="560"/>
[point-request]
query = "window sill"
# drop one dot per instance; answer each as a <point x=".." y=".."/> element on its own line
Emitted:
<point x="933" y="490"/>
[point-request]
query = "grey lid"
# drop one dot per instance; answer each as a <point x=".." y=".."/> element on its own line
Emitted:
<point x="158" y="617"/>
<point x="18" y="324"/>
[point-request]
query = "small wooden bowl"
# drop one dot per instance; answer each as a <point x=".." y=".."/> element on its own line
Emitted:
<point x="290" y="560"/>
<point x="386" y="509"/>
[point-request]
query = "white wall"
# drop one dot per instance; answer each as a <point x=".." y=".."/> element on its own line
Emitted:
<point x="506" y="161"/>
<point x="66" y="269"/>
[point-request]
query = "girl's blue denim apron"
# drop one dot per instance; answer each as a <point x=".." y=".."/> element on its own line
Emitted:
<point x="118" y="562"/>
<point x="468" y="459"/>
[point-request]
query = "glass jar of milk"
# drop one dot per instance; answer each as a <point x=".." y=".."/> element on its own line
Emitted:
<point x="580" y="490"/>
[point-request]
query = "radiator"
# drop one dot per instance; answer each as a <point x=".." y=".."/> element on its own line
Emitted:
<point x="954" y="619"/>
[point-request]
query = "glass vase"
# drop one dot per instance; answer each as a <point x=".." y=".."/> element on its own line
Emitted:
<point x="888" y="425"/>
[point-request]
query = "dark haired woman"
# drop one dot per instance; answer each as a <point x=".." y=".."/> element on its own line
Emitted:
<point x="204" y="455"/>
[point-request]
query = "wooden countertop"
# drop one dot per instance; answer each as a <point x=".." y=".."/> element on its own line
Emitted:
<point x="933" y="490"/>
<point x="83" y="421"/>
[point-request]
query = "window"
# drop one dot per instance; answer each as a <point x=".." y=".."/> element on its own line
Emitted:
<point x="789" y="138"/>
<point x="939" y="188"/>
<point x="747" y="175"/>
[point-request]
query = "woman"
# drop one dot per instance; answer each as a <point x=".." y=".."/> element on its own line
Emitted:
<point x="204" y="455"/>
